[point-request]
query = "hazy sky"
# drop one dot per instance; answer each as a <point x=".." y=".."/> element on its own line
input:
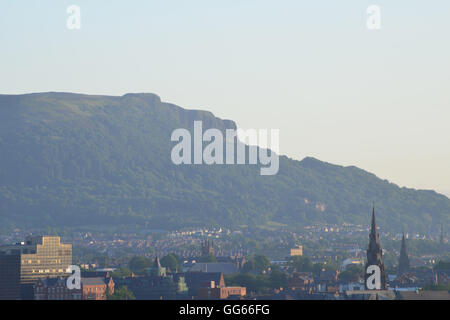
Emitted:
<point x="377" y="99"/>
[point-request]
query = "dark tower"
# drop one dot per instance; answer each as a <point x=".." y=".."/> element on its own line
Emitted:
<point x="374" y="252"/>
<point x="403" y="262"/>
<point x="207" y="248"/>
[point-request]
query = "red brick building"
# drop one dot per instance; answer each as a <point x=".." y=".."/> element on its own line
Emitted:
<point x="211" y="291"/>
<point x="92" y="288"/>
<point x="96" y="288"/>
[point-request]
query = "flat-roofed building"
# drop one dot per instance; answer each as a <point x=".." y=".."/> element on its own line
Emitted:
<point x="41" y="257"/>
<point x="10" y="275"/>
<point x="297" y="251"/>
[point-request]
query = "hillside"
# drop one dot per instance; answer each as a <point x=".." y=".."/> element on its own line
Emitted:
<point x="79" y="160"/>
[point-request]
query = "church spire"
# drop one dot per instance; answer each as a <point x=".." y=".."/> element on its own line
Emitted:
<point x="403" y="263"/>
<point x="373" y="230"/>
<point x="374" y="252"/>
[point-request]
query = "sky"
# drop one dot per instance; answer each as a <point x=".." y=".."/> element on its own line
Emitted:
<point x="377" y="99"/>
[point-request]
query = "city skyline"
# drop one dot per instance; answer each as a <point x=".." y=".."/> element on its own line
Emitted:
<point x="209" y="273"/>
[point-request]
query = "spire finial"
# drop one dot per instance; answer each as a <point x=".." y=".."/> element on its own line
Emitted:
<point x="374" y="223"/>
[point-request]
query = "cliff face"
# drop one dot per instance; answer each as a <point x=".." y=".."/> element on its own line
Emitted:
<point x="70" y="159"/>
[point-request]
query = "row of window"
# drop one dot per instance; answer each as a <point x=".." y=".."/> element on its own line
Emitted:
<point x="59" y="297"/>
<point x="47" y="271"/>
<point x="50" y="290"/>
<point x="39" y="261"/>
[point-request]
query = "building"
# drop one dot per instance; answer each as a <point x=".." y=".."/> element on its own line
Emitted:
<point x="374" y="253"/>
<point x="207" y="248"/>
<point x="92" y="288"/>
<point x="403" y="263"/>
<point x="327" y="281"/>
<point x="300" y="281"/>
<point x="96" y="288"/>
<point x="370" y="295"/>
<point x="297" y="251"/>
<point x="351" y="262"/>
<point x="157" y="270"/>
<point x="442" y="277"/>
<point x="10" y="275"/>
<point x="209" y="291"/>
<point x="196" y="280"/>
<point x="225" y="268"/>
<point x="168" y="287"/>
<point x="157" y="285"/>
<point x="423" y="295"/>
<point x="406" y="281"/>
<point x="106" y="276"/>
<point x="55" y="289"/>
<point x="352" y="286"/>
<point x="42" y="257"/>
<point x="414" y="279"/>
<point x="96" y="274"/>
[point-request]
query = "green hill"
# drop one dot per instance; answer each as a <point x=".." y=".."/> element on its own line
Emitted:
<point x="78" y="160"/>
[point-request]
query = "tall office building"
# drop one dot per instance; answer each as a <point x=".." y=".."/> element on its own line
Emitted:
<point x="42" y="257"/>
<point x="10" y="275"/>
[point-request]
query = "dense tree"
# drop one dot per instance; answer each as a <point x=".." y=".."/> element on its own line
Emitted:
<point x="278" y="279"/>
<point x="138" y="264"/>
<point x="301" y="263"/>
<point x="258" y="283"/>
<point x="123" y="293"/>
<point x="253" y="283"/>
<point x="442" y="265"/>
<point x="122" y="272"/>
<point x="257" y="263"/>
<point x="319" y="267"/>
<point x="78" y="160"/>
<point x="208" y="258"/>
<point x="437" y="287"/>
<point x="171" y="261"/>
<point x="249" y="266"/>
<point x="352" y="273"/>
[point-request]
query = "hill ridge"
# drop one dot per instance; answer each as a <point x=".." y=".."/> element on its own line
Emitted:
<point x="72" y="159"/>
